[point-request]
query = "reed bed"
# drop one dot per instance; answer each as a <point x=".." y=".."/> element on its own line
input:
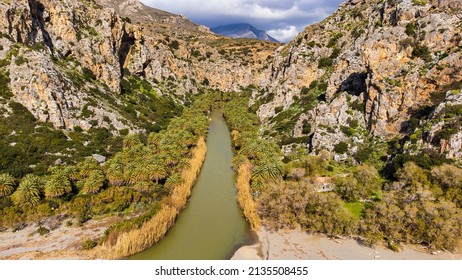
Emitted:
<point x="244" y="196"/>
<point x="152" y="231"/>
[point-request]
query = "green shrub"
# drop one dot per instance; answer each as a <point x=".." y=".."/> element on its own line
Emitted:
<point x="358" y="106"/>
<point x="195" y="53"/>
<point x="346" y="130"/>
<point x="287" y="140"/>
<point x="88" y="74"/>
<point x="306" y="128"/>
<point x="419" y="2"/>
<point x="5" y="90"/>
<point x="43" y="231"/>
<point x="446" y="132"/>
<point x="341" y="148"/>
<point x="335" y="53"/>
<point x="355" y="208"/>
<point x="334" y="39"/>
<point x="364" y="154"/>
<point x="278" y="109"/>
<point x="20" y="60"/>
<point x="174" y="45"/>
<point x="422" y="52"/>
<point x="410" y="29"/>
<point x="325" y="62"/>
<point x="325" y="213"/>
<point x="88" y="244"/>
<point x="353" y="123"/>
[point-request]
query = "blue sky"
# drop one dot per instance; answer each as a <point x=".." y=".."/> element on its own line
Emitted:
<point x="283" y="19"/>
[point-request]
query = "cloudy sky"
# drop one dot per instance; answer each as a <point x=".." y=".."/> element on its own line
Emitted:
<point x="283" y="19"/>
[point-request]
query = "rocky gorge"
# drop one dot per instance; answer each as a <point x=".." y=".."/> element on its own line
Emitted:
<point x="359" y="96"/>
<point x="376" y="63"/>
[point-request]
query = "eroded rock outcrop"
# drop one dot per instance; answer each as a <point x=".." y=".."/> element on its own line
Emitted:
<point x="374" y="63"/>
<point x="109" y="41"/>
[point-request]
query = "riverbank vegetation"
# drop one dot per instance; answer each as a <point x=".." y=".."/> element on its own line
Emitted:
<point x="257" y="161"/>
<point x="124" y="240"/>
<point x="149" y="175"/>
<point x="149" y="181"/>
<point x="417" y="205"/>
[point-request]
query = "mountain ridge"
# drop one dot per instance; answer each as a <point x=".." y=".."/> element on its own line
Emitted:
<point x="356" y="124"/>
<point x="243" y="30"/>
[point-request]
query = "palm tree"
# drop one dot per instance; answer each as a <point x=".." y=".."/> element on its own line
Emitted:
<point x="144" y="187"/>
<point x="57" y="185"/>
<point x="90" y="176"/>
<point x="131" y="141"/>
<point x="86" y="167"/>
<point x="94" y="182"/>
<point x="138" y="172"/>
<point x="173" y="156"/>
<point x="154" y="141"/>
<point x="268" y="170"/>
<point x="6" y="185"/>
<point x="115" y="172"/>
<point x="185" y="138"/>
<point x="237" y="161"/>
<point x="29" y="191"/>
<point x="253" y="149"/>
<point x="72" y="172"/>
<point x="173" y="181"/>
<point x="156" y="171"/>
<point x="184" y="164"/>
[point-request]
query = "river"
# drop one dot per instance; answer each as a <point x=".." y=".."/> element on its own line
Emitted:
<point x="211" y="227"/>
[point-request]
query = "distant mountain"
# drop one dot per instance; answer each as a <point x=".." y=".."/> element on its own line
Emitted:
<point x="243" y="30"/>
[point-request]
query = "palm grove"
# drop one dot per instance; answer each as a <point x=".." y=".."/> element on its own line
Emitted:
<point x="418" y="203"/>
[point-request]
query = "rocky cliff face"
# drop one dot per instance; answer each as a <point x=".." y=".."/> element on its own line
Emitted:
<point x="74" y="51"/>
<point x="50" y="44"/>
<point x="369" y="69"/>
<point x="373" y="71"/>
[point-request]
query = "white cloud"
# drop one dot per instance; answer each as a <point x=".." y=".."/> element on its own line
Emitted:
<point x="282" y="18"/>
<point x="285" y="34"/>
<point x="262" y="12"/>
<point x="240" y="8"/>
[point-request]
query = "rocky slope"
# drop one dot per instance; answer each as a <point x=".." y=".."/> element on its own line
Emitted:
<point x="49" y="43"/>
<point x="372" y="72"/>
<point x="82" y="74"/>
<point x="373" y="68"/>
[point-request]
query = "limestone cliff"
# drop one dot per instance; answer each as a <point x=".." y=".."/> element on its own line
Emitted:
<point x="373" y="71"/>
<point x="73" y="51"/>
<point x="368" y="69"/>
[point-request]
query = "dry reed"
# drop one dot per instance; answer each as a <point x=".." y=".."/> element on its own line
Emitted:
<point x="137" y="240"/>
<point x="244" y="196"/>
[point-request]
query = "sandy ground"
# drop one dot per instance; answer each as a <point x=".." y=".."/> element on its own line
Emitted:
<point x="63" y="242"/>
<point x="296" y="244"/>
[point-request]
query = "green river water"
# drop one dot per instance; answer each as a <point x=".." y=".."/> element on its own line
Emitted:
<point x="211" y="227"/>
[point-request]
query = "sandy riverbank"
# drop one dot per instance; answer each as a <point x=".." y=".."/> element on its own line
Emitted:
<point x="62" y="242"/>
<point x="298" y="245"/>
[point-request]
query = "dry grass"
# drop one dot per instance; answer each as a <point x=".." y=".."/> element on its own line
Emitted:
<point x="152" y="231"/>
<point x="244" y="196"/>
